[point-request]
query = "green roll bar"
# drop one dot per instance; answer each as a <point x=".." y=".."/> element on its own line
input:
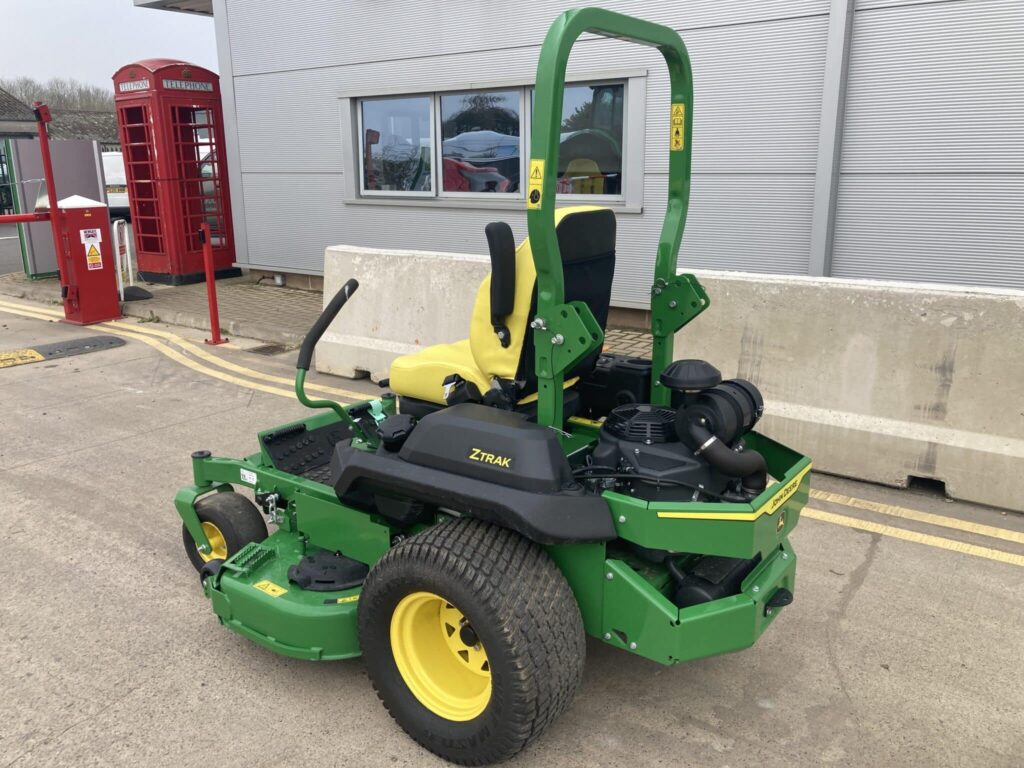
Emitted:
<point x="567" y="332"/>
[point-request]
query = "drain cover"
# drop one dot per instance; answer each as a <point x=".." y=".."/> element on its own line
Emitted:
<point x="269" y="349"/>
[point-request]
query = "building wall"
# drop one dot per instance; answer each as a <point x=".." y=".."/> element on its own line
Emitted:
<point x="930" y="178"/>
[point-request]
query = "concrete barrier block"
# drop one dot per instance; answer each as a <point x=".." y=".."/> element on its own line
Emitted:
<point x="879" y="381"/>
<point x="406" y="300"/>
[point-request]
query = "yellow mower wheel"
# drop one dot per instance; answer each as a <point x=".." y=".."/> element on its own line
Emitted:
<point x="230" y="521"/>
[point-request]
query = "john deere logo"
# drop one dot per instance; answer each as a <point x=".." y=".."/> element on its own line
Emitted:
<point x="475" y="454"/>
<point x="781" y="524"/>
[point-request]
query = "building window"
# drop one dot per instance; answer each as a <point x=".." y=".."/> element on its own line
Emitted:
<point x="590" y="157"/>
<point x="461" y="144"/>
<point x="396" y="143"/>
<point x="480" y="146"/>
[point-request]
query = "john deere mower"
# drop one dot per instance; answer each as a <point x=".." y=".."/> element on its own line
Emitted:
<point x="511" y="493"/>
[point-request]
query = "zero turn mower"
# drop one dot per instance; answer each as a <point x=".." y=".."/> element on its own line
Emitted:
<point x="518" y="490"/>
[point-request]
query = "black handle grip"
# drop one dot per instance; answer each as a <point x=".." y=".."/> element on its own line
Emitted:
<point x="325" y="319"/>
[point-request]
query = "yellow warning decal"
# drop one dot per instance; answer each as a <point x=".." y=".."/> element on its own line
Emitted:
<point x="14" y="357"/>
<point x="535" y="184"/>
<point x="93" y="258"/>
<point x="270" y="588"/>
<point x="678" y="128"/>
<point x="349" y="599"/>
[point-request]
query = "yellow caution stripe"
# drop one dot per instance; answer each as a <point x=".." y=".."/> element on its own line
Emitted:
<point x="13" y="357"/>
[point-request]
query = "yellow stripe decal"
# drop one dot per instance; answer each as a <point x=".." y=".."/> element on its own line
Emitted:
<point x="920" y="517"/>
<point x="918" y="538"/>
<point x="775" y="502"/>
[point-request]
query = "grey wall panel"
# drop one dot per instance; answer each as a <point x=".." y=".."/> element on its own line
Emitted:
<point x="931" y="228"/>
<point x="274" y="36"/>
<point x="937" y="87"/>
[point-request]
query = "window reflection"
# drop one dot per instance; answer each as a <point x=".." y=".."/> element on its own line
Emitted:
<point x="396" y="144"/>
<point x="480" y="142"/>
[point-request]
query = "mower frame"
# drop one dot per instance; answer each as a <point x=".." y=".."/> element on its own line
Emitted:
<point x="623" y="599"/>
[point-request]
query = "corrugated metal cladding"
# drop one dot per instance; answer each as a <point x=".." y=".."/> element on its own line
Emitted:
<point x="932" y="183"/>
<point x="758" y="65"/>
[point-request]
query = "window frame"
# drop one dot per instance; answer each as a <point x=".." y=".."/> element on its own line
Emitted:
<point x="634" y="126"/>
<point x="389" y="193"/>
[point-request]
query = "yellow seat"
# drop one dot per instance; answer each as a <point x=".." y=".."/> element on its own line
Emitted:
<point x="421" y="374"/>
<point x="482" y="359"/>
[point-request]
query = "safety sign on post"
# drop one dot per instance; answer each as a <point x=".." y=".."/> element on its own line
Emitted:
<point x="678" y="123"/>
<point x="91" y="239"/>
<point x="535" y="184"/>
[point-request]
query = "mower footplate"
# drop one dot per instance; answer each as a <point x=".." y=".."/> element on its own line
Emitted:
<point x="251" y="595"/>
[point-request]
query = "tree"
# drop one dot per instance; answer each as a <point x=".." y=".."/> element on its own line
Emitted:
<point x="60" y="93"/>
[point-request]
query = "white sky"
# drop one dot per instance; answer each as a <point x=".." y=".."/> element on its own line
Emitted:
<point x="90" y="39"/>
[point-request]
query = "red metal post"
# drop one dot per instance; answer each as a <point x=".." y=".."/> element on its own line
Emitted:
<point x="211" y="284"/>
<point x="42" y="118"/>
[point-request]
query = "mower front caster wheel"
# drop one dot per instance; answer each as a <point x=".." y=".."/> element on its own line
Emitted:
<point x="230" y="521"/>
<point x="472" y="638"/>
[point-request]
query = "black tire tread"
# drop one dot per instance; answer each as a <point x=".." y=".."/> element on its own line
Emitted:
<point x="541" y="619"/>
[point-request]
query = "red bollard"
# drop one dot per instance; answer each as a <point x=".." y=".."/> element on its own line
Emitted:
<point x="211" y="284"/>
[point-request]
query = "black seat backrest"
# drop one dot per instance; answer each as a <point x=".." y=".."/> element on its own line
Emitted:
<point x="586" y="240"/>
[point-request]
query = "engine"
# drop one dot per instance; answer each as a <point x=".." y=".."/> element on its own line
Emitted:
<point x="693" y="451"/>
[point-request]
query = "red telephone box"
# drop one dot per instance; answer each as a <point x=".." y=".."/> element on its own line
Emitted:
<point x="172" y="139"/>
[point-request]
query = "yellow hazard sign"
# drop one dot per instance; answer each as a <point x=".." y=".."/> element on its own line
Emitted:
<point x="93" y="257"/>
<point x="535" y="184"/>
<point x="678" y="127"/>
<point x="270" y="588"/>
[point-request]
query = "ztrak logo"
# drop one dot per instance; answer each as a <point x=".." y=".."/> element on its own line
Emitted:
<point x="475" y="454"/>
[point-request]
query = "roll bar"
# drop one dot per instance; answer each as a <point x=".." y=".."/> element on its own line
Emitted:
<point x="566" y="333"/>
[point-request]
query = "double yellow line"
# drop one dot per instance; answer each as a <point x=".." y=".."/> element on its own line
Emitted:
<point x="172" y="346"/>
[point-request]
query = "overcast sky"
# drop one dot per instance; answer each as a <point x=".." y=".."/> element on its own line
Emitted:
<point x="90" y="39"/>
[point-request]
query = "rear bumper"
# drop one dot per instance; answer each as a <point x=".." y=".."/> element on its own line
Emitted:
<point x="639" y="618"/>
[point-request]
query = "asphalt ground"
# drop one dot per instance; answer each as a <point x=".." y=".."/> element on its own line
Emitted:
<point x="903" y="646"/>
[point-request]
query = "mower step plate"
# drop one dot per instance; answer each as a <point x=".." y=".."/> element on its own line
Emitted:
<point x="255" y="599"/>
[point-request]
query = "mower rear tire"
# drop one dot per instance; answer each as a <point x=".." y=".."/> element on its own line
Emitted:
<point x="472" y="639"/>
<point x="230" y="521"/>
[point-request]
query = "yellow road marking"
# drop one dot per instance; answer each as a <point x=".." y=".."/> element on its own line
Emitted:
<point x="199" y="352"/>
<point x="920" y="517"/>
<point x="170" y="352"/>
<point x="914" y="536"/>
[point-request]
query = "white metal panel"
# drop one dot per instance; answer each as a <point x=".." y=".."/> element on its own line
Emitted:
<point x="932" y="185"/>
<point x="275" y="36"/>
<point x="931" y="228"/>
<point x="937" y="87"/>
